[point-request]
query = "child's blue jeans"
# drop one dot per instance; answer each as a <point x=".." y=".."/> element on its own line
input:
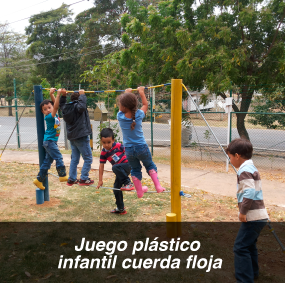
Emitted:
<point x="122" y="172"/>
<point x="80" y="146"/>
<point x="52" y="153"/>
<point x="246" y="255"/>
<point x="138" y="153"/>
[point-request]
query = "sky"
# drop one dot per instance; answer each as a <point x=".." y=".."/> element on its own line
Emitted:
<point x="14" y="10"/>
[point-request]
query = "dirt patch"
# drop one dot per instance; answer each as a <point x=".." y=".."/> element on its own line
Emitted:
<point x="51" y="203"/>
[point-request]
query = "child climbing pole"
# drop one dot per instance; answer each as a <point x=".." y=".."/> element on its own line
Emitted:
<point x="49" y="109"/>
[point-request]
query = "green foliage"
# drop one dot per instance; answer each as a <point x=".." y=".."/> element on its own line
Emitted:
<point x="207" y="136"/>
<point x="101" y="30"/>
<point x="114" y="127"/>
<point x="45" y="84"/>
<point x="219" y="45"/>
<point x="270" y="121"/>
<point x="53" y="44"/>
<point x="12" y="57"/>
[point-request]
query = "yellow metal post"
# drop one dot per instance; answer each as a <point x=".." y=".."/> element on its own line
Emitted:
<point x="171" y="225"/>
<point x="176" y="119"/>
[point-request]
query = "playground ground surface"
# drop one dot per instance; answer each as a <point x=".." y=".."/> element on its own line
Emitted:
<point x="87" y="204"/>
<point x="212" y="191"/>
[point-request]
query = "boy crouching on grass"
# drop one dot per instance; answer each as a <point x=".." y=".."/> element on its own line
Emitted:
<point x="114" y="152"/>
<point x="49" y="109"/>
<point x="252" y="212"/>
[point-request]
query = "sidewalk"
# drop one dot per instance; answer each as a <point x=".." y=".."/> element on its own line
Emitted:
<point x="216" y="183"/>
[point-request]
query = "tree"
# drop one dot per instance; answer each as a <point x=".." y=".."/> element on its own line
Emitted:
<point x="270" y="102"/>
<point x="12" y="55"/>
<point x="218" y="45"/>
<point x="101" y="29"/>
<point x="54" y="44"/>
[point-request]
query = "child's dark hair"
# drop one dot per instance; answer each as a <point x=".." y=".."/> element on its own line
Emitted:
<point x="74" y="96"/>
<point x="45" y="102"/>
<point x="106" y="133"/>
<point x="130" y="101"/>
<point x="243" y="147"/>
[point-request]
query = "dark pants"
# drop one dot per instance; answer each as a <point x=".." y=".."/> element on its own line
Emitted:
<point x="122" y="172"/>
<point x="246" y="255"/>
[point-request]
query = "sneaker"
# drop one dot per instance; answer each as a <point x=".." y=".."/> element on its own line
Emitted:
<point x="87" y="182"/>
<point x="128" y="187"/>
<point x="70" y="183"/>
<point x="119" y="211"/>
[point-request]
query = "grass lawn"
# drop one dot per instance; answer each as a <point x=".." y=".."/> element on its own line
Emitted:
<point x="77" y="203"/>
<point x="29" y="251"/>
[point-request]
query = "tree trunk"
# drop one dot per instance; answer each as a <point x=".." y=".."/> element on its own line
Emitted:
<point x="245" y="103"/>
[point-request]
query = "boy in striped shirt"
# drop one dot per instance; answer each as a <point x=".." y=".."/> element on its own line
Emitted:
<point x="114" y="152"/>
<point x="252" y="212"/>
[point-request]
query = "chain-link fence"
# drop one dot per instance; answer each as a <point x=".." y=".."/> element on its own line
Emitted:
<point x="265" y="129"/>
<point x="24" y="136"/>
<point x="268" y="144"/>
<point x="198" y="142"/>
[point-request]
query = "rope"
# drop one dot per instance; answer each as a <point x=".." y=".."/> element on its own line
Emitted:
<point x="118" y="90"/>
<point x="15" y="126"/>
<point x="30" y="143"/>
<point x="114" y="189"/>
<point x="276" y="237"/>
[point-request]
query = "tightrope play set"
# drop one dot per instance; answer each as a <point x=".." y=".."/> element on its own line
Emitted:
<point x="173" y="218"/>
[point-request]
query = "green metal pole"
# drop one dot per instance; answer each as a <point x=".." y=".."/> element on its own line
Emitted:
<point x="16" y="111"/>
<point x="151" y="126"/>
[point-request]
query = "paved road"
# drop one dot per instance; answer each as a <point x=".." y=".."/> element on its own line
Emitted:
<point x="272" y="139"/>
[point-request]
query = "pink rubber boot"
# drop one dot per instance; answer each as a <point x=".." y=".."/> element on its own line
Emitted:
<point x="139" y="188"/>
<point x="152" y="173"/>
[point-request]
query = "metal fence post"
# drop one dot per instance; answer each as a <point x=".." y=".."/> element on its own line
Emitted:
<point x="151" y="127"/>
<point x="66" y="141"/>
<point x="228" y="110"/>
<point x="16" y="114"/>
<point x="91" y="136"/>
<point x="231" y="126"/>
<point x="41" y="131"/>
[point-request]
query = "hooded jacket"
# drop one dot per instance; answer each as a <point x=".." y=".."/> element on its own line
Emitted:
<point x="75" y="114"/>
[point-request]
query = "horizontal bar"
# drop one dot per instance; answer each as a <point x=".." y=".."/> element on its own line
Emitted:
<point x="17" y="106"/>
<point x="255" y="148"/>
<point x="186" y="112"/>
<point x="265" y="113"/>
<point x="118" y="90"/>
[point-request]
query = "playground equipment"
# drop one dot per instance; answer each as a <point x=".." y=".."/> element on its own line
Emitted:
<point x="38" y="94"/>
<point x="174" y="218"/>
<point x="113" y="189"/>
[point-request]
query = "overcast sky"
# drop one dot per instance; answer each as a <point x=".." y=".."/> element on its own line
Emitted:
<point x="14" y="10"/>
